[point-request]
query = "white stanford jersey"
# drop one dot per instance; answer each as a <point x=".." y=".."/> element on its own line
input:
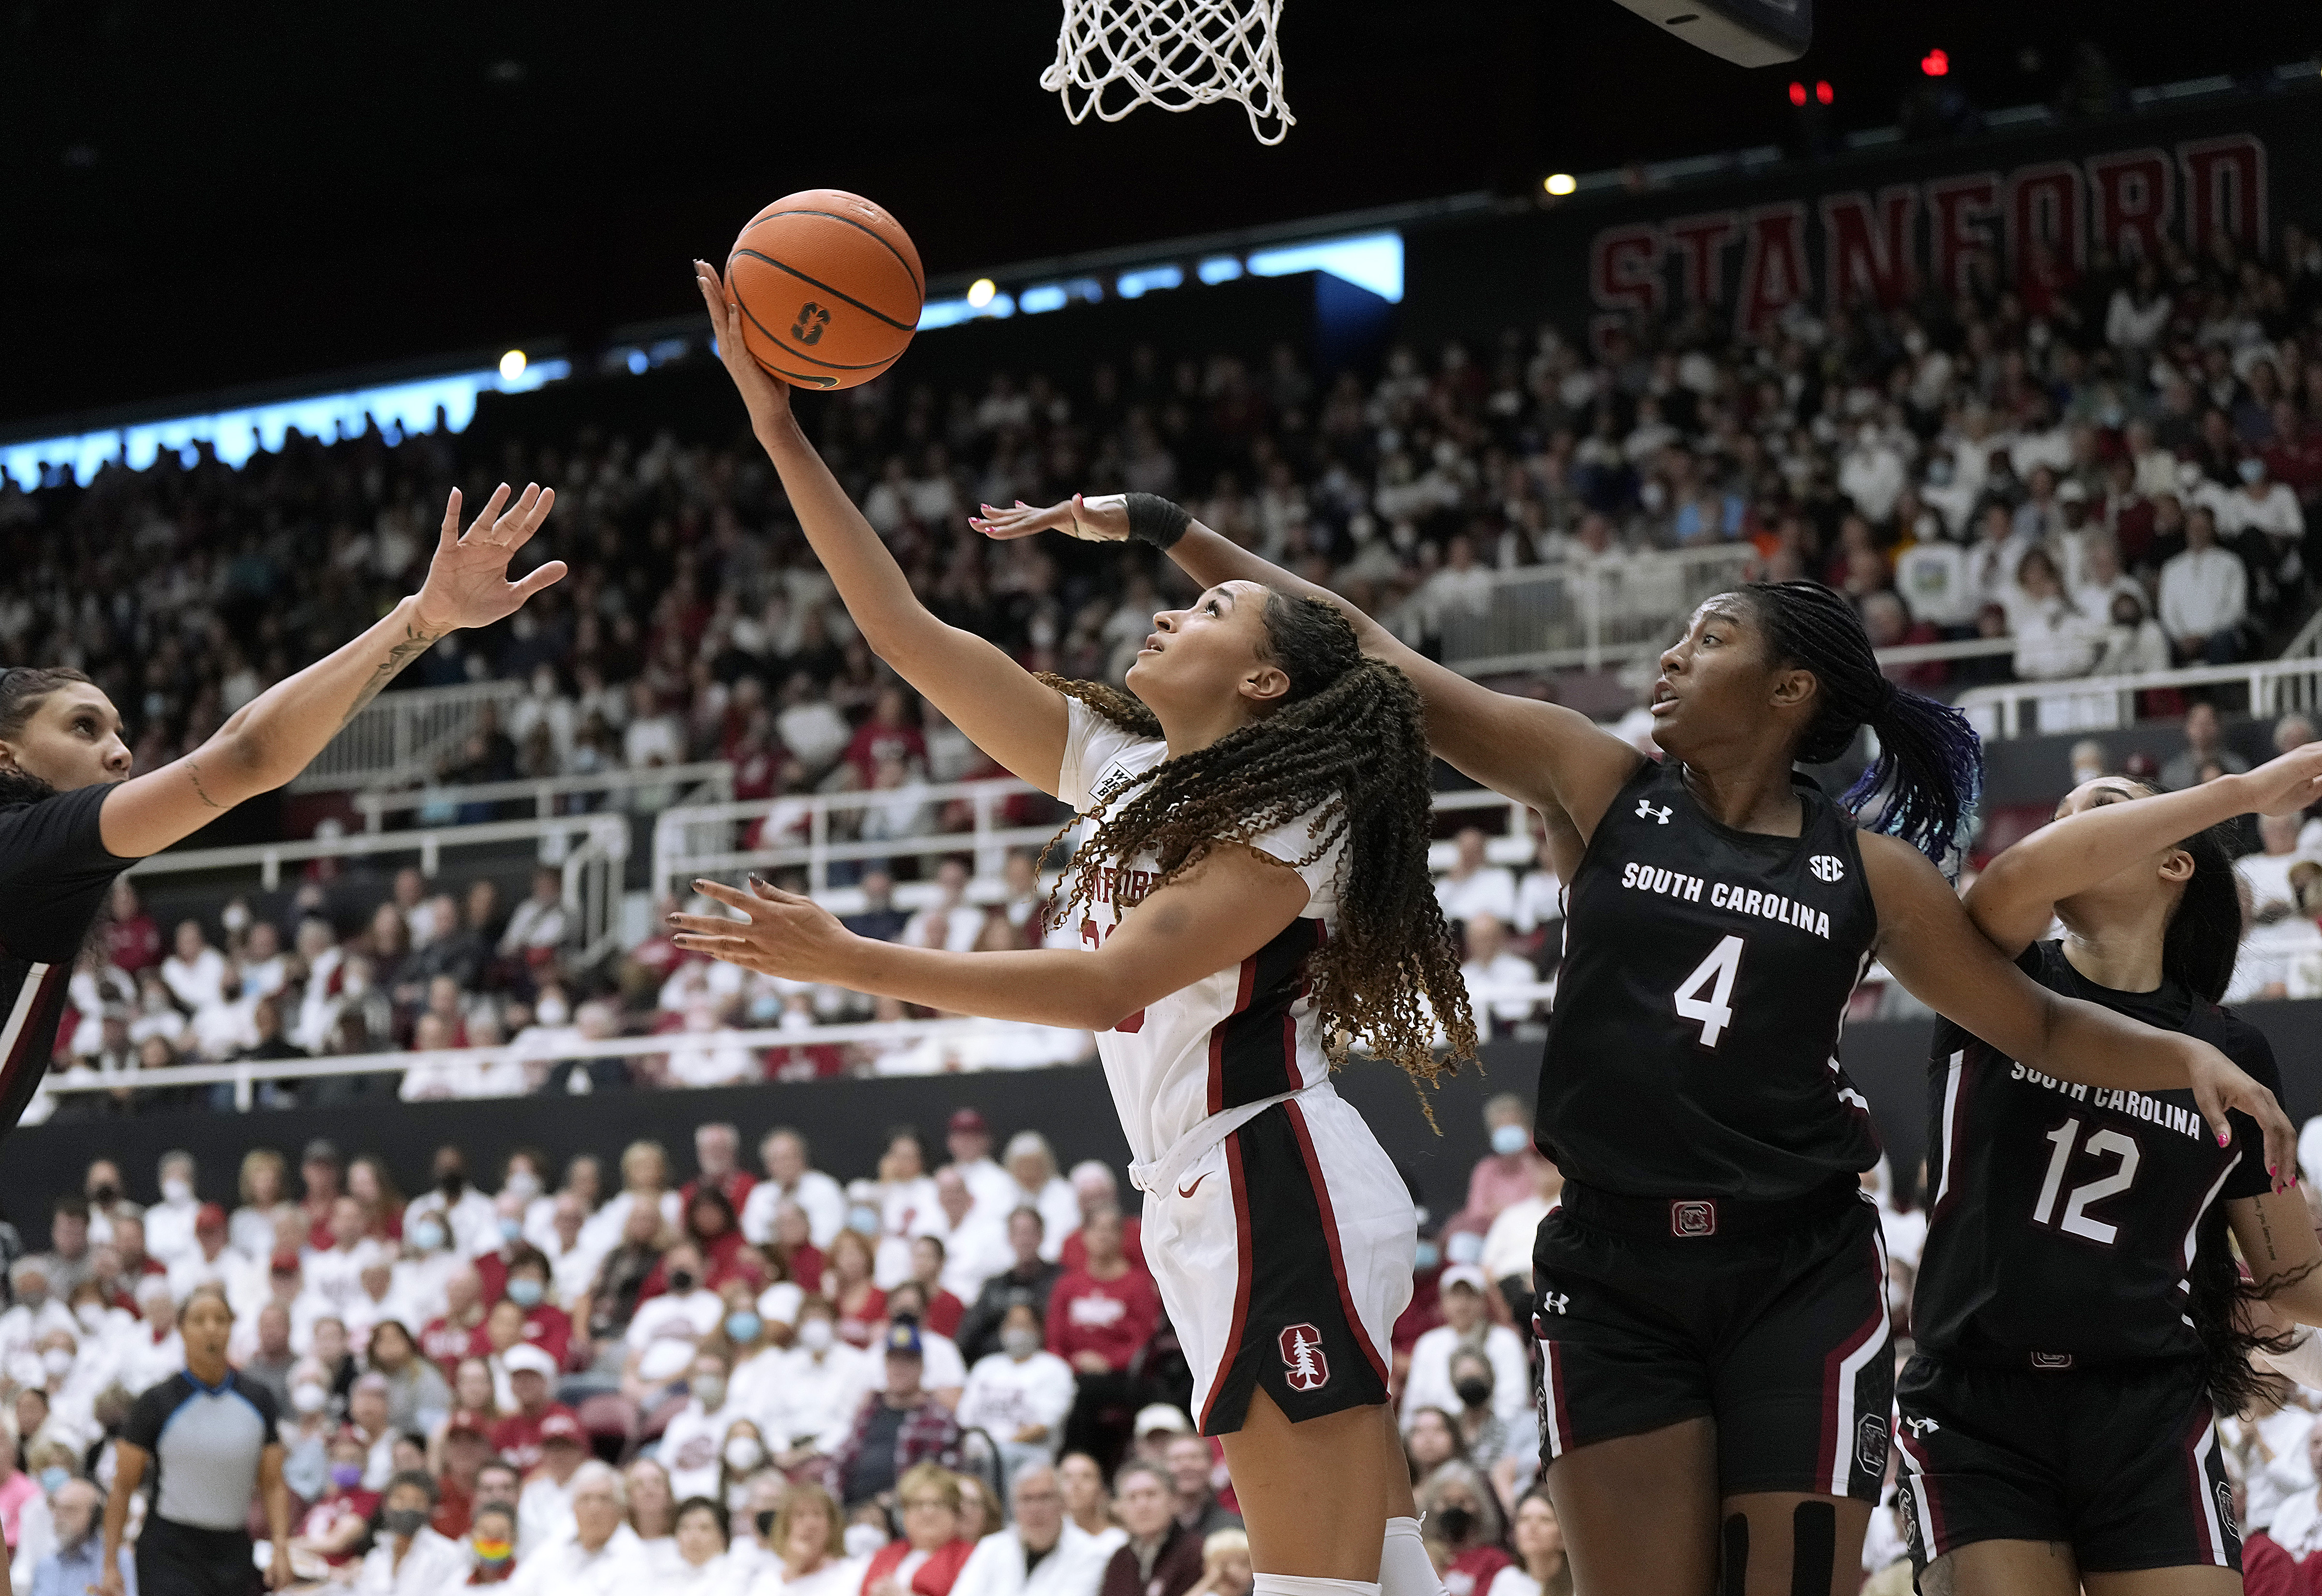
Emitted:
<point x="1244" y="1034"/>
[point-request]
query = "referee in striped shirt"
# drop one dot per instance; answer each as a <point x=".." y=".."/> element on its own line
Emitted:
<point x="72" y="817"/>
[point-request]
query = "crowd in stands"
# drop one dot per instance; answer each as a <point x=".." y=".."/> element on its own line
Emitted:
<point x="951" y="1379"/>
<point x="2117" y="470"/>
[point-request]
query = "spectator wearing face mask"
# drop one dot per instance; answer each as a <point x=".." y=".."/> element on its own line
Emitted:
<point x="408" y="1558"/>
<point x="817" y="1390"/>
<point x="691" y="1446"/>
<point x="1020" y="1395"/>
<point x="1511" y="1170"/>
<point x="545" y="1325"/>
<point x="470" y="1221"/>
<point x="170" y="1223"/>
<point x="1464" y="1526"/>
<point x="1467" y="1325"/>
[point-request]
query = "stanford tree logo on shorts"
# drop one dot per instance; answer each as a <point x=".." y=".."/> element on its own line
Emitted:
<point x="1301" y="1358"/>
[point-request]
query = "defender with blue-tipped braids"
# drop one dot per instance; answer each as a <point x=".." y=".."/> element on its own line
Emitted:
<point x="1711" y="1298"/>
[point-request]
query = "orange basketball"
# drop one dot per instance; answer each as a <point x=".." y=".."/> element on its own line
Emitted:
<point x="829" y="285"/>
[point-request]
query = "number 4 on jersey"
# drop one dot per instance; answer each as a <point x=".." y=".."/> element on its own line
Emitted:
<point x="1714" y="975"/>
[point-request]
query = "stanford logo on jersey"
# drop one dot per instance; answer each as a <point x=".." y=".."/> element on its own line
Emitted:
<point x="1301" y="1358"/>
<point x="1827" y="867"/>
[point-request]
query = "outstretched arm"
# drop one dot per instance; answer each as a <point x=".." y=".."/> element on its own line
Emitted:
<point x="277" y="734"/>
<point x="2016" y="896"/>
<point x="1002" y="708"/>
<point x="1541" y="754"/>
<point x="1221" y="911"/>
<point x="1929" y="943"/>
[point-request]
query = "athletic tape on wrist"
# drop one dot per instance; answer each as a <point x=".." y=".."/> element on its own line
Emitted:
<point x="1155" y="520"/>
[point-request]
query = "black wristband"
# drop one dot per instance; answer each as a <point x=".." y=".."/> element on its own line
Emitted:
<point x="1155" y="520"/>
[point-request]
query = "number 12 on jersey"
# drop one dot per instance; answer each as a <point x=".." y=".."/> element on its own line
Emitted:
<point x="2077" y="1220"/>
<point x="1707" y="994"/>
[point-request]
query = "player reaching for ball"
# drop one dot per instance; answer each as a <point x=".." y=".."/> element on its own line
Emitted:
<point x="1711" y="1295"/>
<point x="1253" y="890"/>
<point x="2079" y="1320"/>
<point x="72" y="816"/>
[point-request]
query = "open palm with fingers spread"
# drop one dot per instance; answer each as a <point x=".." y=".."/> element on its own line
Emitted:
<point x="467" y="581"/>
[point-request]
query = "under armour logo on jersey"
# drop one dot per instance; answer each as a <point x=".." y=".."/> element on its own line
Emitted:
<point x="1556" y="1301"/>
<point x="1645" y="811"/>
<point x="1921" y="1428"/>
<point x="1827" y="867"/>
<point x="1303" y="1365"/>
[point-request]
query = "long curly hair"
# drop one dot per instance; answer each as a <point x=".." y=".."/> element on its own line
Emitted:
<point x="1348" y="750"/>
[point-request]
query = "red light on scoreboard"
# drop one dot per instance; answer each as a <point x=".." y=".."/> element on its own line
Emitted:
<point x="1797" y="93"/>
<point x="1822" y="93"/>
<point x="1936" y="63"/>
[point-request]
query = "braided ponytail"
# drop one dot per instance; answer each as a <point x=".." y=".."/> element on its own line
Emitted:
<point x="1347" y="751"/>
<point x="1929" y="774"/>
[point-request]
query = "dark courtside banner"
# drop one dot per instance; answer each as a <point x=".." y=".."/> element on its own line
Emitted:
<point x="1877" y="226"/>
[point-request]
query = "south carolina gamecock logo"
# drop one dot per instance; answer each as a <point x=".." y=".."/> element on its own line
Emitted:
<point x="1302" y="1361"/>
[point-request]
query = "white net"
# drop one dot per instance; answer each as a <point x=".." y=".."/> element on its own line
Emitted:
<point x="1114" y="56"/>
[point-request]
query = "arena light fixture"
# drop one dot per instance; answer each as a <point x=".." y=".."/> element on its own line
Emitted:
<point x="397" y="410"/>
<point x="1372" y="261"/>
<point x="1135" y="285"/>
<point x="1797" y="93"/>
<point x="1219" y="268"/>
<point x="1936" y="63"/>
<point x="1561" y="184"/>
<point x="980" y="292"/>
<point x="1823" y="93"/>
<point x="512" y="365"/>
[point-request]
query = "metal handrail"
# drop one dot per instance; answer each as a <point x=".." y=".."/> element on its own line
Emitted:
<point x="676" y="860"/>
<point x="2274" y="685"/>
<point x="397" y="736"/>
<point x="543" y="790"/>
<point x="244" y="1074"/>
<point x="429" y="843"/>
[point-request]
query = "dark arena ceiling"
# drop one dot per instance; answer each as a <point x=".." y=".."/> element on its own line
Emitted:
<point x="200" y="196"/>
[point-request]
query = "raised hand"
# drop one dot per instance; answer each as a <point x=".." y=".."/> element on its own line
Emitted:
<point x="2286" y="784"/>
<point x="467" y="581"/>
<point x="781" y="934"/>
<point x="1104" y="519"/>
<point x="767" y="398"/>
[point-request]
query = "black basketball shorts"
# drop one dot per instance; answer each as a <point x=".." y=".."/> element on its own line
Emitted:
<point x="2123" y="1464"/>
<point x="1769" y="1319"/>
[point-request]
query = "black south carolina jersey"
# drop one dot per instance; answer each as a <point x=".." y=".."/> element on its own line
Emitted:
<point x="1693" y="1047"/>
<point x="54" y="875"/>
<point x="2063" y="1217"/>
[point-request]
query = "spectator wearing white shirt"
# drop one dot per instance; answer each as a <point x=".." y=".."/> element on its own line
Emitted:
<point x="1930" y="577"/>
<point x="1034" y="1184"/>
<point x="153" y="1349"/>
<point x="2053" y="640"/>
<point x="2267" y="870"/>
<point x="1993" y="558"/>
<point x="2138" y="313"/>
<point x="817" y="1390"/>
<point x="1871" y="472"/>
<point x="1041" y="1553"/>
<point x="2204" y="594"/>
<point x="540" y="926"/>
<point x="195" y="972"/>
<point x="974" y="1237"/>
<point x="1472" y="886"/>
<point x="1507" y="1244"/>
<point x="472" y="1225"/>
<point x="791" y="1177"/>
<point x="1491" y="964"/>
<point x="711" y="1061"/>
<point x="1466" y="1323"/>
<point x="602" y="1556"/>
<point x="687" y="1311"/>
<point x="2260" y="504"/>
<point x="409" y="1558"/>
<point x="170" y="1223"/>
<point x="950" y="922"/>
<point x="2100" y="581"/>
<point x="691" y="1446"/>
<point x="968" y="1139"/>
<point x="1021" y="1394"/>
<point x="332" y="1273"/>
<point x="214" y="1261"/>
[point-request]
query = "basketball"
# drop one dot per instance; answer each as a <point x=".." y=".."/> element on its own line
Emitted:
<point x="829" y="285"/>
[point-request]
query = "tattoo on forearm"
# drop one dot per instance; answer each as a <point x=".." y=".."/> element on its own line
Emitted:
<point x="415" y="643"/>
<point x="2266" y="1231"/>
<point x="195" y="771"/>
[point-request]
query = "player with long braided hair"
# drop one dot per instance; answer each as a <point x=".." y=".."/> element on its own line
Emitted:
<point x="1252" y="890"/>
<point x="1711" y="1296"/>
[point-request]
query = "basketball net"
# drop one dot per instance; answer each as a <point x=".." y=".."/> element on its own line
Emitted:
<point x="1114" y="56"/>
